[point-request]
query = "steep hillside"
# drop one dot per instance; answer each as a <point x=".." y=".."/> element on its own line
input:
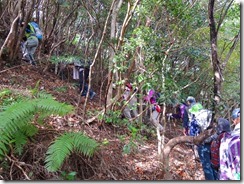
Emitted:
<point x="109" y="163"/>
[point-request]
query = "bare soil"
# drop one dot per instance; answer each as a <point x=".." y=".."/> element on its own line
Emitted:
<point x="109" y="163"/>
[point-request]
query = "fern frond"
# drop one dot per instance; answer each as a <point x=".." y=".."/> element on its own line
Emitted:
<point x="64" y="145"/>
<point x="18" y="116"/>
<point x="5" y="92"/>
<point x="44" y="95"/>
<point x="9" y="131"/>
<point x="54" y="106"/>
<point x="4" y="141"/>
<point x="84" y="144"/>
<point x="16" y="111"/>
<point x="11" y="122"/>
<point x="35" y="90"/>
<point x="20" y="137"/>
<point x="19" y="140"/>
<point x="58" y="151"/>
<point x="29" y="130"/>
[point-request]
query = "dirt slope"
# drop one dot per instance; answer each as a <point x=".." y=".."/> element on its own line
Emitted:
<point x="109" y="163"/>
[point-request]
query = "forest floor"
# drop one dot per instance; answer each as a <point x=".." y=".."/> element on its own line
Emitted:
<point x="109" y="163"/>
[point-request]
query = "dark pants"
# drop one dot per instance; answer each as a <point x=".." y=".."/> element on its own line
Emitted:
<point x="84" y="91"/>
<point x="216" y="174"/>
<point x="83" y="75"/>
<point x="204" y="154"/>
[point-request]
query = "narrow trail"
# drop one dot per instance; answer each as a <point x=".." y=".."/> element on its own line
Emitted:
<point x="109" y="163"/>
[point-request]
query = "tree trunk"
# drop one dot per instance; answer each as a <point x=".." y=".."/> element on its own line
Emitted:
<point x="214" y="53"/>
<point x="10" y="48"/>
<point x="178" y="140"/>
<point x="113" y="31"/>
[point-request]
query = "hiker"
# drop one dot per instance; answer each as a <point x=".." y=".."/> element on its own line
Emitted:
<point x="230" y="151"/>
<point x="29" y="44"/>
<point x="132" y="104"/>
<point x="155" y="108"/>
<point x="83" y="68"/>
<point x="191" y="102"/>
<point x="203" y="148"/>
<point x="37" y="29"/>
<point x="236" y="121"/>
<point x="181" y="113"/>
<point x="223" y="127"/>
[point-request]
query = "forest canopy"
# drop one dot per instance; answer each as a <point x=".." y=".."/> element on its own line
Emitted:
<point x="179" y="48"/>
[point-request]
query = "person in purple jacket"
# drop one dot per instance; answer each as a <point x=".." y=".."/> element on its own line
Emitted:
<point x="181" y="113"/>
<point x="230" y="151"/>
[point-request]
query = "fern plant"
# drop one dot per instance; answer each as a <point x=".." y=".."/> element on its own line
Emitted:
<point x="64" y="145"/>
<point x="16" y="127"/>
<point x="15" y="120"/>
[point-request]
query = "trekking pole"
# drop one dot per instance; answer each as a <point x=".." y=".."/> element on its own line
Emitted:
<point x="169" y="121"/>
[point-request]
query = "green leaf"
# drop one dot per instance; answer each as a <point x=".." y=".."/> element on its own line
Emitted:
<point x="64" y="145"/>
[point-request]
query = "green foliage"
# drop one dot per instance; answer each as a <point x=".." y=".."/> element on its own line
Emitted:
<point x="35" y="90"/>
<point x="64" y="145"/>
<point x="43" y="95"/>
<point x="130" y="147"/>
<point x="105" y="142"/>
<point x="231" y="84"/>
<point x="113" y="117"/>
<point x="187" y="69"/>
<point x="76" y="39"/>
<point x="134" y="128"/>
<point x="15" y="120"/>
<point x="68" y="176"/>
<point x="61" y="89"/>
<point x="7" y="97"/>
<point x="16" y="128"/>
<point x="19" y="140"/>
<point x="133" y="131"/>
<point x="135" y="138"/>
<point x="66" y="59"/>
<point x="231" y="91"/>
<point x="4" y="92"/>
<point x="53" y="106"/>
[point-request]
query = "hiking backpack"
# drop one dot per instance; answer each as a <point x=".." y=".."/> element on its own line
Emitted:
<point x="37" y="29"/>
<point x="200" y="120"/>
<point x="194" y="128"/>
<point x="229" y="163"/>
<point x="214" y="150"/>
<point x="156" y="107"/>
<point x="203" y="118"/>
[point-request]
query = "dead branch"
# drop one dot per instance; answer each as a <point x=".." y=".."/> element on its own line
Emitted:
<point x="182" y="139"/>
<point x="18" y="164"/>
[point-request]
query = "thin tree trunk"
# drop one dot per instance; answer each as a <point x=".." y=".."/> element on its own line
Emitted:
<point x="214" y="54"/>
<point x="217" y="69"/>
<point x="96" y="55"/>
<point x="236" y="40"/>
<point x="113" y="31"/>
<point x="178" y="140"/>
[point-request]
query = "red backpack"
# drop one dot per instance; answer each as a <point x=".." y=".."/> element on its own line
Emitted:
<point x="214" y="148"/>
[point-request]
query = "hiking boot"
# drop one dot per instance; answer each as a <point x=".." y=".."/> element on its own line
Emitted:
<point x="33" y="63"/>
<point x="92" y="95"/>
<point x="25" y="59"/>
